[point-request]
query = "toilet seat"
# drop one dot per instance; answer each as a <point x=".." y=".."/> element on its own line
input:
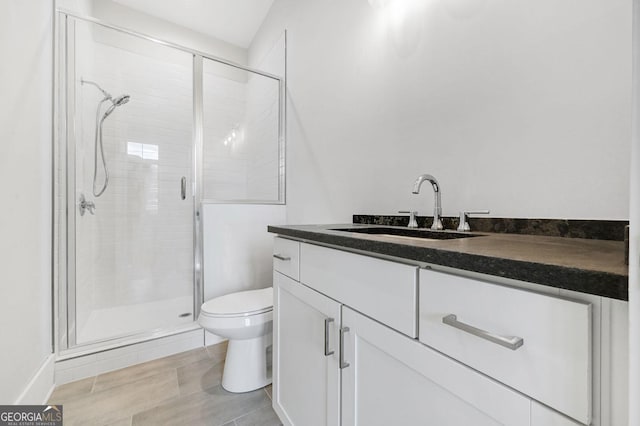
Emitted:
<point x="240" y="304"/>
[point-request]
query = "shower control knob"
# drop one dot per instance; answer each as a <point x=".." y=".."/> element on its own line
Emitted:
<point x="86" y="205"/>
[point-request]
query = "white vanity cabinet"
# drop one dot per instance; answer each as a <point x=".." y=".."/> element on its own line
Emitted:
<point x="351" y="347"/>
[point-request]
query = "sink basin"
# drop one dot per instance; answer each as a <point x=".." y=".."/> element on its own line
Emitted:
<point x="423" y="234"/>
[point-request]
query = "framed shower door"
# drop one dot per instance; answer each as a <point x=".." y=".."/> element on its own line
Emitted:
<point x="130" y="250"/>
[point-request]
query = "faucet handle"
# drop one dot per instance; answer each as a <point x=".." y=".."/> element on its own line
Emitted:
<point x="463" y="226"/>
<point x="412" y="218"/>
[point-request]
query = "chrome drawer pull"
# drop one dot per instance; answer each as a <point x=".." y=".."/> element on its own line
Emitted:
<point x="511" y="342"/>
<point x="281" y="257"/>
<point x="327" y="321"/>
<point x="343" y="364"/>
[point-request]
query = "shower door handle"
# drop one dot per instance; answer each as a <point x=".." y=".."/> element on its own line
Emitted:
<point x="183" y="188"/>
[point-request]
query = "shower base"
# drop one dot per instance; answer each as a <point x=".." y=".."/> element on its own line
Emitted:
<point x="110" y="323"/>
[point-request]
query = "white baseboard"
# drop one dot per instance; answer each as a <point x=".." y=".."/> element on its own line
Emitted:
<point x="39" y="388"/>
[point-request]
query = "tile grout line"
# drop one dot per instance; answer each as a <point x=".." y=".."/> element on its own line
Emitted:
<point x="93" y="384"/>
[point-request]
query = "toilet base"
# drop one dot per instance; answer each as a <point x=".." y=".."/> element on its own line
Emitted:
<point x="248" y="364"/>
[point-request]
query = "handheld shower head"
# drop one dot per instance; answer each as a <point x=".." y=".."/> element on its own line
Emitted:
<point x="99" y="148"/>
<point x="121" y="100"/>
<point x="115" y="103"/>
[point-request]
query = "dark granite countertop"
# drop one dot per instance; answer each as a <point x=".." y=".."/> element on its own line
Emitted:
<point x="584" y="265"/>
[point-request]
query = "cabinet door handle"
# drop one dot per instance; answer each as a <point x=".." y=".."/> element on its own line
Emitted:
<point x="343" y="364"/>
<point x="511" y="342"/>
<point x="281" y="257"/>
<point x="327" y="321"/>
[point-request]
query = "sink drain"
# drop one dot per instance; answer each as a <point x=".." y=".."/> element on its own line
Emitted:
<point x="186" y="314"/>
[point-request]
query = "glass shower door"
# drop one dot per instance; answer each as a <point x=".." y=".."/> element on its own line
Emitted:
<point x="130" y="173"/>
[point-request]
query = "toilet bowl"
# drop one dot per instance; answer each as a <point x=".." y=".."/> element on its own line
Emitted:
<point x="246" y="319"/>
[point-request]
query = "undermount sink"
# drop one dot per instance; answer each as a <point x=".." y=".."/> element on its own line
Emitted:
<point x="423" y="234"/>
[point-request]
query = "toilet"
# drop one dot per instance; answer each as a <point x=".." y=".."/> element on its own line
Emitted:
<point x="246" y="319"/>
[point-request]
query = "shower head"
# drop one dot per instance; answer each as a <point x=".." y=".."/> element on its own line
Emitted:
<point x="121" y="100"/>
<point x="115" y="103"/>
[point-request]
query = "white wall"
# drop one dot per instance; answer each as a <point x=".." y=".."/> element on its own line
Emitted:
<point x="515" y="106"/>
<point x="25" y="189"/>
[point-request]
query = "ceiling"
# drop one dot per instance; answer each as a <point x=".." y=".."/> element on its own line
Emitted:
<point x="233" y="21"/>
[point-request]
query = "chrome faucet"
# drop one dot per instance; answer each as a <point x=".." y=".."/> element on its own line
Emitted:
<point x="437" y="208"/>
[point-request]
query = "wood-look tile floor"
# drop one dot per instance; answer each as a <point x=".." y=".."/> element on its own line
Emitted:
<point x="182" y="389"/>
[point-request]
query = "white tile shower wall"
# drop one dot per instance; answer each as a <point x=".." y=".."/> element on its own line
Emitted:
<point x="153" y="250"/>
<point x="263" y="113"/>
<point x="225" y="161"/>
<point x="241" y="148"/>
<point x="262" y="137"/>
<point x="138" y="246"/>
<point x="86" y="98"/>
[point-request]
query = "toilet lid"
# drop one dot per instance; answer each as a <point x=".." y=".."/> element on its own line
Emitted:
<point x="241" y="303"/>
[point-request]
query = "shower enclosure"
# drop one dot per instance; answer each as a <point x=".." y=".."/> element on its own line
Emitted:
<point x="148" y="131"/>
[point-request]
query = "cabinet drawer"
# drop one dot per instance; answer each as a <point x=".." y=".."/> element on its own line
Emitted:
<point x="383" y="290"/>
<point x="286" y="257"/>
<point x="553" y="365"/>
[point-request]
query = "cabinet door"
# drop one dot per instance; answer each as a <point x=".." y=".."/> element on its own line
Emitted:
<point x="306" y="376"/>
<point x="395" y="380"/>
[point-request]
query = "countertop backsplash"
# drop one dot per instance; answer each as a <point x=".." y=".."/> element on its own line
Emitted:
<point x="613" y="230"/>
